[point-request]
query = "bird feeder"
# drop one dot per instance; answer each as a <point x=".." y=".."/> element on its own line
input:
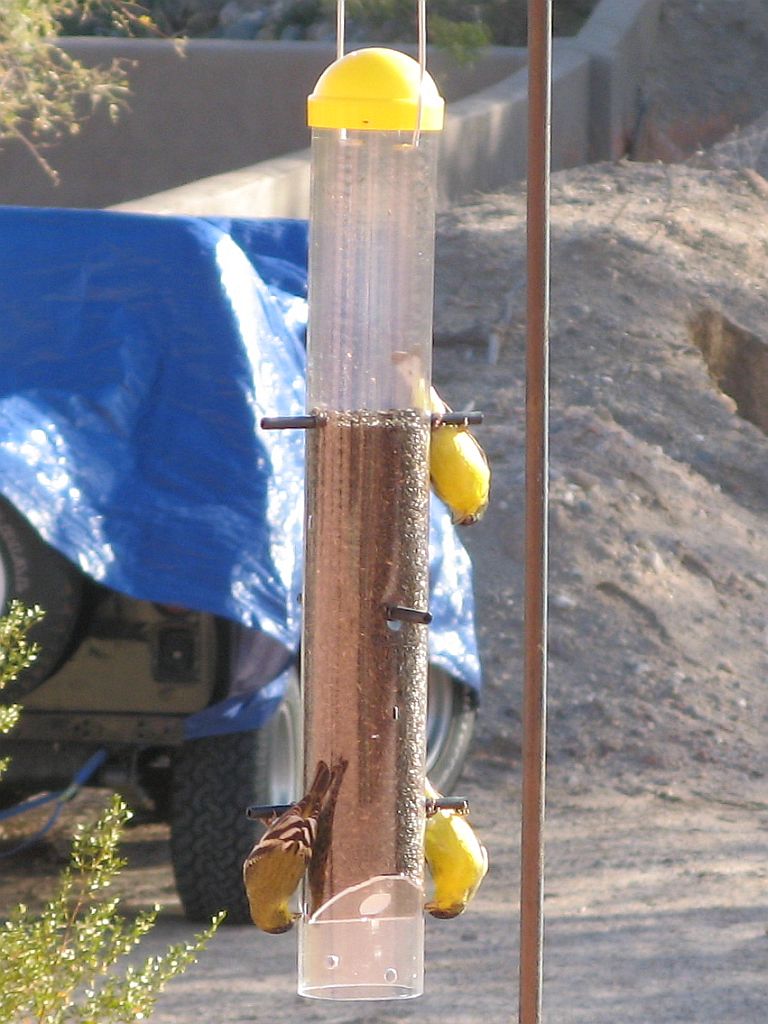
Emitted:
<point x="375" y="117"/>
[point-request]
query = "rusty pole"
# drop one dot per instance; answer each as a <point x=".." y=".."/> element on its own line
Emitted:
<point x="536" y="502"/>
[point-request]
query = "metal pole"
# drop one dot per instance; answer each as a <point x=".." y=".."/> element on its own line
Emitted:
<point x="536" y="495"/>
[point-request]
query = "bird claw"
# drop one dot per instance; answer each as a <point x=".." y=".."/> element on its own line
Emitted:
<point x="444" y="913"/>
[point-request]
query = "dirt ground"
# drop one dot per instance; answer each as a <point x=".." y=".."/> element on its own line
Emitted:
<point x="657" y="829"/>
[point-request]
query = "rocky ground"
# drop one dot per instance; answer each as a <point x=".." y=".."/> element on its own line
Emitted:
<point x="659" y="488"/>
<point x="657" y="880"/>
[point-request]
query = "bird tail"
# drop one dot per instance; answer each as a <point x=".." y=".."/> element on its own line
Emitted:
<point x="322" y="845"/>
<point x="312" y="802"/>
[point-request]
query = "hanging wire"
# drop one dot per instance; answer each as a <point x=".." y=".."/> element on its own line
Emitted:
<point x="421" y="30"/>
<point x="340" y="18"/>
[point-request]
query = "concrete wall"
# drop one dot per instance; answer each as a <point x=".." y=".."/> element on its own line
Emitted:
<point x="216" y="106"/>
<point x="596" y="79"/>
<point x="222" y="130"/>
<point x="484" y="144"/>
<point x="618" y="40"/>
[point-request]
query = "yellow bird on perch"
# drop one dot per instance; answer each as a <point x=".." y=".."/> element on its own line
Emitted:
<point x="458" y="468"/>
<point x="457" y="860"/>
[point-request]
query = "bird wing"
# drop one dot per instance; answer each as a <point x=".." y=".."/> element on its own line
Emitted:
<point x="294" y="831"/>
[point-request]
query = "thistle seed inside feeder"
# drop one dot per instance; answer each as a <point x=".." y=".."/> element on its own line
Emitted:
<point x="366" y="549"/>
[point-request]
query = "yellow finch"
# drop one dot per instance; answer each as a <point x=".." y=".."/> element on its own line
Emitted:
<point x="275" y="866"/>
<point x="457" y="860"/>
<point x="458" y="468"/>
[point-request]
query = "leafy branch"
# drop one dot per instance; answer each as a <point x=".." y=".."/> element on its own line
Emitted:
<point x="59" y="966"/>
<point x="46" y="94"/>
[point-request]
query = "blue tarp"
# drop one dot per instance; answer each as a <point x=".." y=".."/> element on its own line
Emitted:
<point x="138" y="355"/>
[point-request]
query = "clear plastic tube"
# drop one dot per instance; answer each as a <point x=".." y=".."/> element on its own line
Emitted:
<point x="365" y="672"/>
<point x="371" y="269"/>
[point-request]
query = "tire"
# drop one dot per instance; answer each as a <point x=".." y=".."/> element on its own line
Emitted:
<point x="214" y="780"/>
<point x="33" y="572"/>
<point x="451" y="714"/>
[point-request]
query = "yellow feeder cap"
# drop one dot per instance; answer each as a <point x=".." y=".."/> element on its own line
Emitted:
<point x="375" y="89"/>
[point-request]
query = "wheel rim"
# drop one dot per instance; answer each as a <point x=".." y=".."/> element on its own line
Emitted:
<point x="284" y="740"/>
<point x="439" y="714"/>
<point x="283" y="745"/>
<point x="3" y="585"/>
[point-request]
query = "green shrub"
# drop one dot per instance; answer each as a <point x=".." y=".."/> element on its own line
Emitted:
<point x="59" y="966"/>
<point x="16" y="652"/>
